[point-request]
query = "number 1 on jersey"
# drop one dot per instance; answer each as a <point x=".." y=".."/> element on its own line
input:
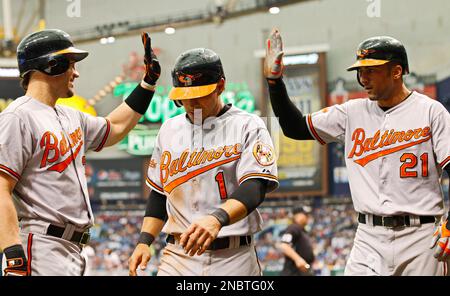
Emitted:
<point x="220" y="179"/>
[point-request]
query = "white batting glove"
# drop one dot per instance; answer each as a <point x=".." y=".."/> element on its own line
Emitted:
<point x="273" y="63"/>
<point x="441" y="241"/>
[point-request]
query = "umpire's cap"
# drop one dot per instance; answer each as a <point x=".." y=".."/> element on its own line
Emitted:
<point x="48" y="51"/>
<point x="380" y="50"/>
<point x="196" y="74"/>
<point x="301" y="210"/>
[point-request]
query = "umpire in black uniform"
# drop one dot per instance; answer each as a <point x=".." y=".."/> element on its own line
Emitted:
<point x="296" y="246"/>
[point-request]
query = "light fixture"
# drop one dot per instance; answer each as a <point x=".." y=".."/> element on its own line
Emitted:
<point x="169" y="30"/>
<point x="107" y="40"/>
<point x="274" y="10"/>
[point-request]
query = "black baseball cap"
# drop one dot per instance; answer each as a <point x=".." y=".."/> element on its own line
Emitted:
<point x="380" y="50"/>
<point x="195" y="74"/>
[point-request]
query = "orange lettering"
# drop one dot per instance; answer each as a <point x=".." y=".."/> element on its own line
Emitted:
<point x="358" y="138"/>
<point x="50" y="145"/>
<point x="417" y="133"/>
<point x="237" y="149"/>
<point x="426" y="132"/>
<point x="191" y="158"/>
<point x="182" y="160"/>
<point x="228" y="152"/>
<point x="63" y="147"/>
<point x="409" y="135"/>
<point x="219" y="153"/>
<point x="164" y="167"/>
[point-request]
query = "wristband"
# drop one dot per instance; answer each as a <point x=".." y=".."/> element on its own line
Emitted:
<point x="222" y="216"/>
<point x="16" y="262"/>
<point x="146" y="238"/>
<point x="140" y="99"/>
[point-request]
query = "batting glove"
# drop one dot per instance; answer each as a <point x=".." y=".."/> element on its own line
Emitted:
<point x="152" y="67"/>
<point x="273" y="63"/>
<point x="441" y="241"/>
<point x="16" y="262"/>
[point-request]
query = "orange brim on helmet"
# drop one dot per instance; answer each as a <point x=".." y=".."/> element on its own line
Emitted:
<point x="191" y="92"/>
<point x="75" y="54"/>
<point x="366" y="63"/>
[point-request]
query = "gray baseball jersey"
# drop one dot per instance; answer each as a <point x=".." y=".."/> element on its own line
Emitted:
<point x="43" y="148"/>
<point x="197" y="168"/>
<point x="394" y="158"/>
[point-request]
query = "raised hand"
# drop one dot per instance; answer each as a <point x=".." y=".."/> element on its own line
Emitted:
<point x="273" y="63"/>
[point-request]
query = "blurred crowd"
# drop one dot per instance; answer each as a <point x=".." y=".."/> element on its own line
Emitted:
<point x="331" y="228"/>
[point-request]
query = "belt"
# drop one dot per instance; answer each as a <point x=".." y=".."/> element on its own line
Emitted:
<point x="397" y="221"/>
<point x="221" y="242"/>
<point x="81" y="238"/>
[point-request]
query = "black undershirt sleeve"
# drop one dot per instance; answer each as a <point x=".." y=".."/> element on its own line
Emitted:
<point x="251" y="193"/>
<point x="156" y="206"/>
<point x="291" y="119"/>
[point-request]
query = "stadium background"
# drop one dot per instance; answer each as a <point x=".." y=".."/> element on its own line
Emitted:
<point x="320" y="39"/>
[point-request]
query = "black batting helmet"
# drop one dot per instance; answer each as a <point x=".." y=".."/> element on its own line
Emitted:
<point x="195" y="74"/>
<point x="380" y="50"/>
<point x="47" y="51"/>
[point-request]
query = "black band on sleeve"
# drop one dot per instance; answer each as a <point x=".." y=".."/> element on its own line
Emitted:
<point x="156" y="206"/>
<point x="251" y="193"/>
<point x="292" y="121"/>
<point x="140" y="99"/>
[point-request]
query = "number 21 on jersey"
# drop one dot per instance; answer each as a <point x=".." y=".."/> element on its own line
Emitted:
<point x="408" y="168"/>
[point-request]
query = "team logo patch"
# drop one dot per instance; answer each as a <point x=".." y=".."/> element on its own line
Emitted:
<point x="263" y="154"/>
<point x="364" y="53"/>
<point x="187" y="79"/>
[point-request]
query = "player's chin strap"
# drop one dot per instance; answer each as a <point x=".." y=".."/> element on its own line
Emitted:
<point x="16" y="262"/>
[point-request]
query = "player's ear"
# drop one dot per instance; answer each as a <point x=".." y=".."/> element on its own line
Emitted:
<point x="220" y="86"/>
<point x="397" y="71"/>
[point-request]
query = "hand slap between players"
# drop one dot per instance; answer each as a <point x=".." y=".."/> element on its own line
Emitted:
<point x="441" y="241"/>
<point x="200" y="234"/>
<point x="152" y="67"/>
<point x="273" y="63"/>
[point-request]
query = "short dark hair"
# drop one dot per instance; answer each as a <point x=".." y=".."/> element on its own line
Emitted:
<point x="25" y="80"/>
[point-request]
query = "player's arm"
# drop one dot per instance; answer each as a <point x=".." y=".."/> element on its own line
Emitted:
<point x="9" y="230"/>
<point x="154" y="219"/>
<point x="292" y="121"/>
<point x="126" y="115"/>
<point x="244" y="200"/>
<point x="286" y="247"/>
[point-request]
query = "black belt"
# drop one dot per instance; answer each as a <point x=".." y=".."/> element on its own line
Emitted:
<point x="81" y="238"/>
<point x="219" y="243"/>
<point x="395" y="221"/>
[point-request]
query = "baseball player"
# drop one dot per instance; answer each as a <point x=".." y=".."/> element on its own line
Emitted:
<point x="397" y="144"/>
<point x="42" y="156"/>
<point x="210" y="169"/>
